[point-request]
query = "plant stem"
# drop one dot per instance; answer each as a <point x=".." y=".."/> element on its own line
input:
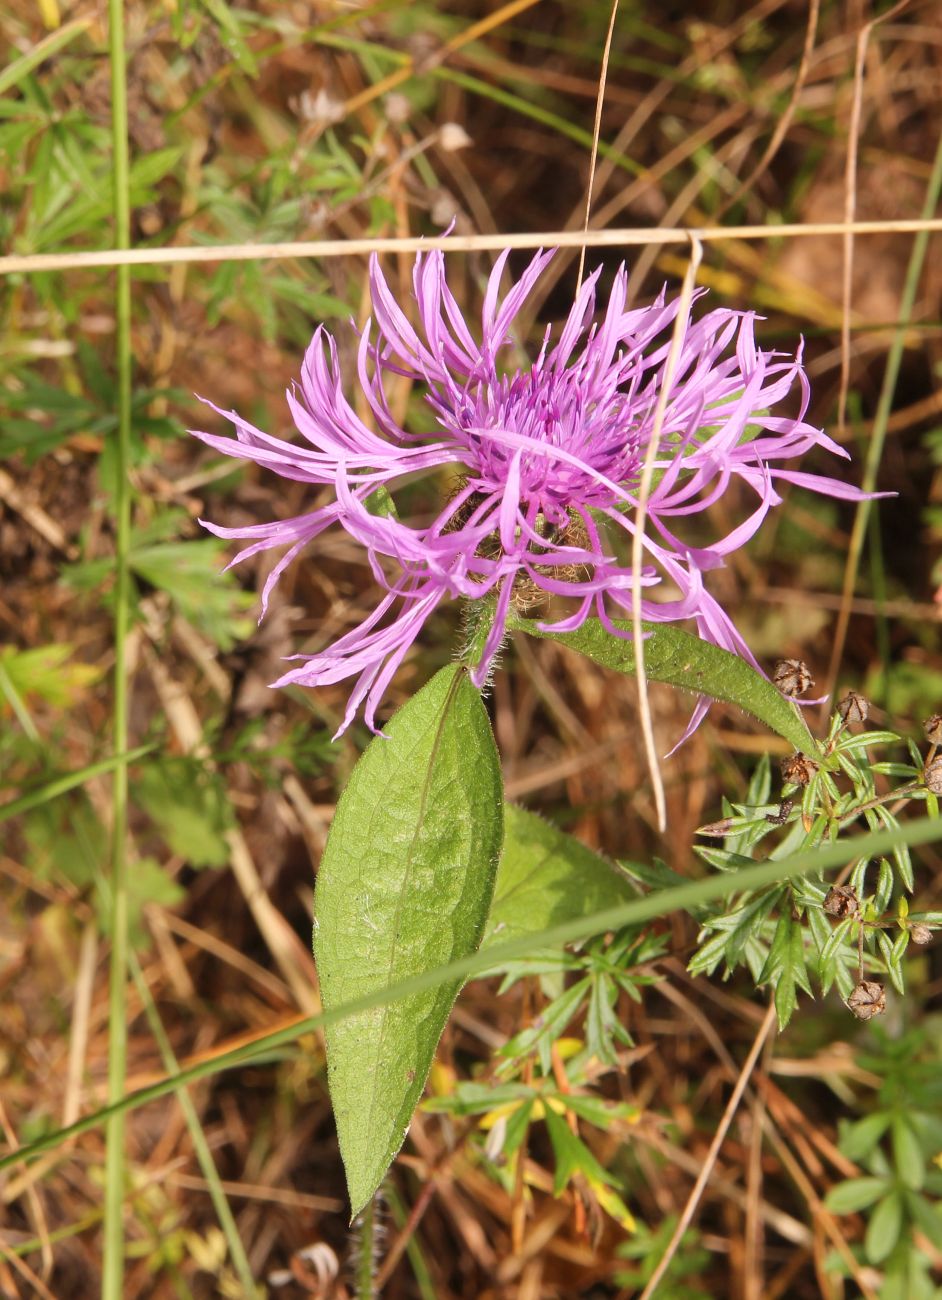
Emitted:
<point x="478" y="618"/>
<point x="113" y="1264"/>
<point x="365" y="1231"/>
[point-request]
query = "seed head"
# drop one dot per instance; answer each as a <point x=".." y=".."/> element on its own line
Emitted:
<point x="841" y="901"/>
<point x="798" y="768"/>
<point x="920" y="933"/>
<point x="933" y="729"/>
<point x="792" y="677"/>
<point x="933" y="775"/>
<point x="854" y="708"/>
<point x="867" y="1000"/>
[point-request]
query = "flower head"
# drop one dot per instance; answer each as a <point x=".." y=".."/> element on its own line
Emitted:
<point x="546" y="462"/>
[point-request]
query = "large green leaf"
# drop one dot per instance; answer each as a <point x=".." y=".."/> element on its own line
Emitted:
<point x="404" y="887"/>
<point x="684" y="660"/>
<point x="545" y="876"/>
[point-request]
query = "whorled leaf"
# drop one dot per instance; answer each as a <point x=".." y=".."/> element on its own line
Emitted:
<point x="404" y="886"/>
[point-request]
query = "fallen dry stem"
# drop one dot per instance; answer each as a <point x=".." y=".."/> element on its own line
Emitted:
<point x="618" y="237"/>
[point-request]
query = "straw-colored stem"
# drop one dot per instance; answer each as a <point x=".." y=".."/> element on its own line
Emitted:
<point x="612" y="237"/>
<point x="596" y="133"/>
<point x="113" y="1264"/>
<point x="637" y="540"/>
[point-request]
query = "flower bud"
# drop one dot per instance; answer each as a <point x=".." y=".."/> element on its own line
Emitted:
<point x="867" y="1000"/>
<point x="792" y="677"/>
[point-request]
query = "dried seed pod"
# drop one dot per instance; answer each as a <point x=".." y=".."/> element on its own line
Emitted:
<point x="933" y="775"/>
<point x="841" y="901"/>
<point x="792" y="677"/>
<point x="920" y="933"/>
<point x="933" y="729"/>
<point x="867" y="1000"/>
<point x="854" y="708"/>
<point x="798" y="768"/>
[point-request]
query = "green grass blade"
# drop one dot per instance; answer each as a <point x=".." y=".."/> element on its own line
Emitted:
<point x="14" y="72"/>
<point x="660" y="903"/>
<point x="59" y="785"/>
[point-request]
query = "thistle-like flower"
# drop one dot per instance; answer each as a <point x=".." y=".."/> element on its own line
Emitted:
<point x="545" y="464"/>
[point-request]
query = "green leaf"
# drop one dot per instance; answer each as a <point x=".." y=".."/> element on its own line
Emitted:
<point x="191" y="809"/>
<point x="546" y="876"/>
<point x="20" y="68"/>
<point x="884" y="1228"/>
<point x="860" y="1138"/>
<point x="684" y="660"/>
<point x="908" y="1156"/>
<point x="572" y="1154"/>
<point x="855" y="1194"/>
<point x="404" y="887"/>
<point x="152" y="167"/>
<point x="785" y="967"/>
<point x="927" y="1216"/>
<point x="231" y="36"/>
<point x="45" y="671"/>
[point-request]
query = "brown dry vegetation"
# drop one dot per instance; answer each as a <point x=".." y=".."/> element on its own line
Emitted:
<point x="694" y="94"/>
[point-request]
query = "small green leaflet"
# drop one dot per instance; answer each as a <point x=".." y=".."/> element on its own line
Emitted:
<point x="404" y="887"/>
<point x="546" y="876"/>
<point x="684" y="660"/>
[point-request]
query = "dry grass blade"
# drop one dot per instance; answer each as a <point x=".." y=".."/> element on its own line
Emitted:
<point x="596" y="130"/>
<point x="637" y="538"/>
<point x="617" y="237"/>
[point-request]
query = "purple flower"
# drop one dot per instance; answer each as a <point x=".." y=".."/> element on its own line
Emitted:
<point x="545" y="464"/>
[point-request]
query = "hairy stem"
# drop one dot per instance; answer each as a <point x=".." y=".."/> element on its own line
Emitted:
<point x="365" y="1243"/>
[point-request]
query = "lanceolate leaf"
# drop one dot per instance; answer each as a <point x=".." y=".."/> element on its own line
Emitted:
<point x="404" y="886"/>
<point x="546" y="876"/>
<point x="684" y="660"/>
